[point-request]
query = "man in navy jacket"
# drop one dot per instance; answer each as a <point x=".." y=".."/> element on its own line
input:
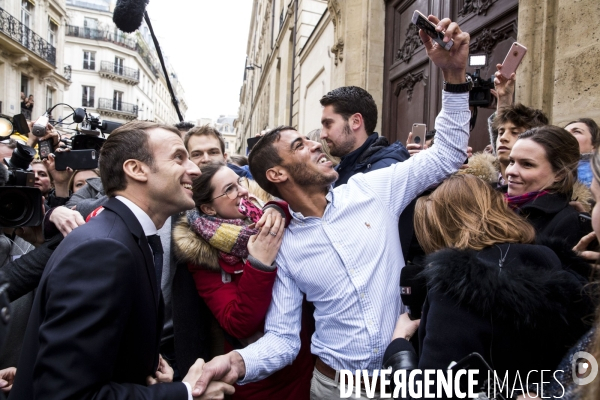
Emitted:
<point x="96" y="322"/>
<point x="349" y="119"/>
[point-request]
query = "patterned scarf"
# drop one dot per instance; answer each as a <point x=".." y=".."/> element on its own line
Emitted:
<point x="229" y="236"/>
<point x="516" y="202"/>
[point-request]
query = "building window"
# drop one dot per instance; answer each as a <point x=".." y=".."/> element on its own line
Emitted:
<point x="119" y="66"/>
<point x="26" y="21"/>
<point x="25" y="85"/>
<point x="52" y="32"/>
<point x="90" y="25"/>
<point x="117" y="100"/>
<point x="89" y="60"/>
<point x="26" y="11"/>
<point x="88" y="96"/>
<point x="49" y="97"/>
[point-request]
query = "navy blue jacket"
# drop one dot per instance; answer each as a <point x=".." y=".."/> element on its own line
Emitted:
<point x="96" y="321"/>
<point x="375" y="153"/>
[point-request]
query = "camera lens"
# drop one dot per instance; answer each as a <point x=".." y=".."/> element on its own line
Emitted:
<point x="15" y="207"/>
<point x="21" y="157"/>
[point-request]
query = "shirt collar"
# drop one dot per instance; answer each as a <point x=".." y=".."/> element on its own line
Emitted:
<point x="298" y="216"/>
<point x="143" y="218"/>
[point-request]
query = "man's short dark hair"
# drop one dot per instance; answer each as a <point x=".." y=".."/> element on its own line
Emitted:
<point x="184" y="126"/>
<point x="205" y="130"/>
<point x="349" y="100"/>
<point x="521" y="116"/>
<point x="264" y="156"/>
<point x="129" y="141"/>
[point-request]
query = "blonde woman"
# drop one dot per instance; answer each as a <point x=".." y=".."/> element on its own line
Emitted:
<point x="490" y="289"/>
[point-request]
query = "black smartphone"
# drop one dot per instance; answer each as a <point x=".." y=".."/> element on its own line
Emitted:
<point x="45" y="148"/>
<point x="428" y="27"/>
<point x="76" y="159"/>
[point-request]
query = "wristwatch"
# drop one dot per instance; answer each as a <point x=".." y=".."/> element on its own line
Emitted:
<point x="460" y="87"/>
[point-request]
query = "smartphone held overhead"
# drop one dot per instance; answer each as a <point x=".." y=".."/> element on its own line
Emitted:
<point x="513" y="59"/>
<point x="421" y="21"/>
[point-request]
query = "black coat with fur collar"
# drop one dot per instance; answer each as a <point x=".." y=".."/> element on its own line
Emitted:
<point x="553" y="217"/>
<point x="520" y="314"/>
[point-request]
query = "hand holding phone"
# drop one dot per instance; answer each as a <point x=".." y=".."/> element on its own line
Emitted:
<point x="249" y="210"/>
<point x="513" y="59"/>
<point x="421" y="21"/>
<point x="76" y="159"/>
<point x="416" y="139"/>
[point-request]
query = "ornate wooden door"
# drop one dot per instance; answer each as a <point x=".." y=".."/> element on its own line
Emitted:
<point x="413" y="85"/>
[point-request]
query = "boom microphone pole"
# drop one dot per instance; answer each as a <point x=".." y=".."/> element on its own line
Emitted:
<point x="128" y="17"/>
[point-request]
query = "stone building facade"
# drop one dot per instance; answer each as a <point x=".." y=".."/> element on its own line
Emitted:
<point x="32" y="54"/>
<point x="371" y="44"/>
<point x="114" y="74"/>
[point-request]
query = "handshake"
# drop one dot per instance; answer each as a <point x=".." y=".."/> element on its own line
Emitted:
<point x="211" y="380"/>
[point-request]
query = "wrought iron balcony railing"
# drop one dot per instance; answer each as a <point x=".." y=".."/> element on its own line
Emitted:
<point x="117" y="106"/>
<point x="14" y="29"/>
<point x="116" y="38"/>
<point x="119" y="70"/>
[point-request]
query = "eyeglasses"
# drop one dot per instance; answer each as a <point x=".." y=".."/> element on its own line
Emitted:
<point x="232" y="190"/>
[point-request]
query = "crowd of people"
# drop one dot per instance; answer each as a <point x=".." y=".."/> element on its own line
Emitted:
<point x="178" y="271"/>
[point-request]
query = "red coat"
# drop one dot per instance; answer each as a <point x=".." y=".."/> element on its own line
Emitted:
<point x="239" y="297"/>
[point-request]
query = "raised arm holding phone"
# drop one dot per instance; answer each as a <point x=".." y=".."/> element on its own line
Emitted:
<point x="357" y="299"/>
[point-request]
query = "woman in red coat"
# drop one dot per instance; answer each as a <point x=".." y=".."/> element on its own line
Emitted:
<point x="234" y="269"/>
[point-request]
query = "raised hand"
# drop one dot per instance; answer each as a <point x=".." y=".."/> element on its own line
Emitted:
<point x="453" y="62"/>
<point x="504" y="88"/>
<point x="414" y="148"/>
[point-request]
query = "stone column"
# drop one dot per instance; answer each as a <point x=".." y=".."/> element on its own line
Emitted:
<point x="559" y="74"/>
<point x="359" y="46"/>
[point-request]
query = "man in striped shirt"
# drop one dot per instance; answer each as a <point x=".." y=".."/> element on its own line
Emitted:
<point x="342" y="249"/>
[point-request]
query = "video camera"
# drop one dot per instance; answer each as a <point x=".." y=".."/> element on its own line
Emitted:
<point x="85" y="143"/>
<point x="90" y="135"/>
<point x="481" y="94"/>
<point x="20" y="201"/>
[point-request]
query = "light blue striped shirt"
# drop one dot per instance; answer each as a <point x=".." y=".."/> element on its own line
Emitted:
<point x="348" y="262"/>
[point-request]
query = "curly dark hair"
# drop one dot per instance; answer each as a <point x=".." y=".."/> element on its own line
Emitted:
<point x="520" y="115"/>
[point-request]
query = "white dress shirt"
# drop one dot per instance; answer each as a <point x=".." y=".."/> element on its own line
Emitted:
<point x="149" y="229"/>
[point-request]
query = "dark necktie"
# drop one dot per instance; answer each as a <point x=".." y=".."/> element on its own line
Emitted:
<point x="157" y="250"/>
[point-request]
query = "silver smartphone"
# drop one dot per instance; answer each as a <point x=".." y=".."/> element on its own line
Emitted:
<point x="428" y="27"/>
<point x="418" y="133"/>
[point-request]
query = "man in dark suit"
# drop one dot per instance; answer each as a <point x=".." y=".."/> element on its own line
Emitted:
<point x="96" y="322"/>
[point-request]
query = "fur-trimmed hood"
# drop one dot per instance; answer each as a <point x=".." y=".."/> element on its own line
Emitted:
<point x="484" y="166"/>
<point x="191" y="248"/>
<point x="530" y="288"/>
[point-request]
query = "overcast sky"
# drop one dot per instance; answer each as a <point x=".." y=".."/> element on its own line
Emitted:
<point x="205" y="41"/>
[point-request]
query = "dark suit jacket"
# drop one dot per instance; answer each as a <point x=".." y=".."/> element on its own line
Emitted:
<point x="95" y="325"/>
